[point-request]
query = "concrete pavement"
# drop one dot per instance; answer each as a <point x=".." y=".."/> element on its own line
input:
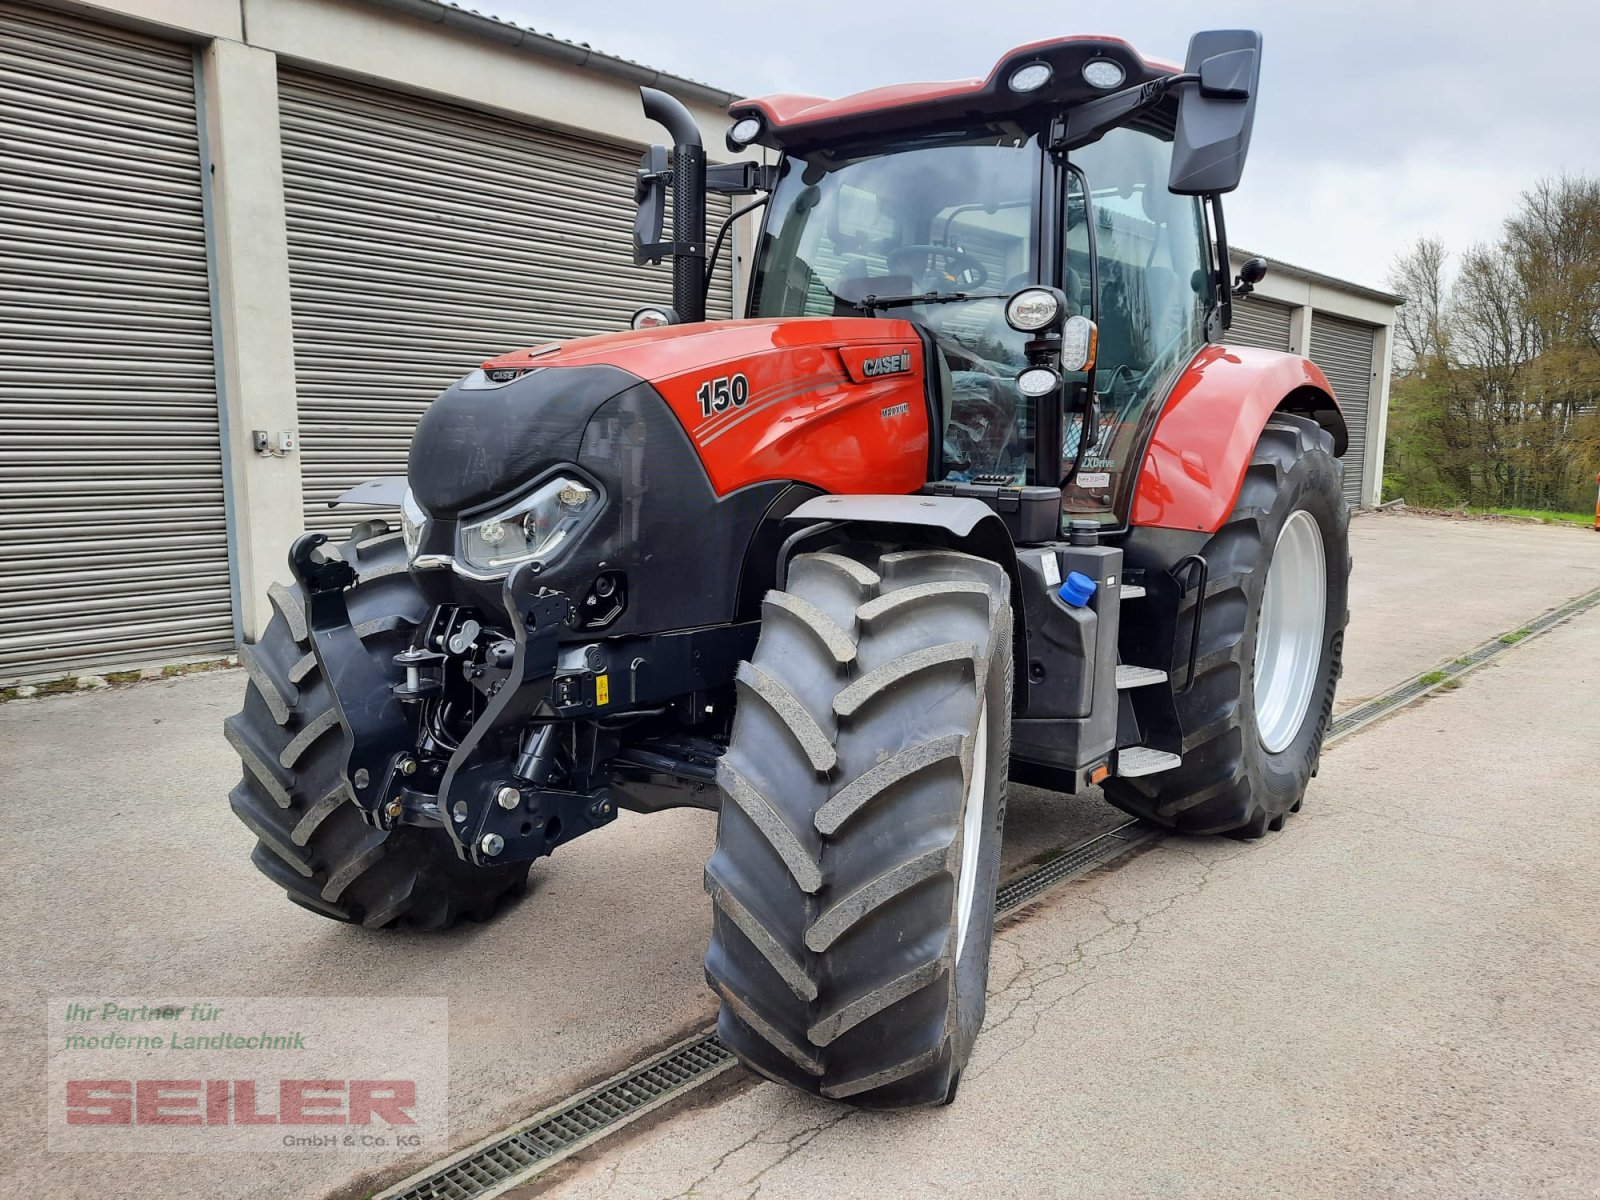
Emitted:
<point x="1399" y="995"/>
<point x="126" y="873"/>
<point x="1420" y="583"/>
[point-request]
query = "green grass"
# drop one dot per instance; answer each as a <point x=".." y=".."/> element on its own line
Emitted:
<point x="1586" y="520"/>
<point x="1511" y="639"/>
<point x="1431" y="678"/>
<point x="122" y="676"/>
<point x="176" y="669"/>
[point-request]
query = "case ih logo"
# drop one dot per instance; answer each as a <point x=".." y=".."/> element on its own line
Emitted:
<point x="887" y="364"/>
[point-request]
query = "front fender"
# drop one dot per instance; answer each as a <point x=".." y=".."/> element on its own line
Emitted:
<point x="1202" y="443"/>
<point x="960" y="522"/>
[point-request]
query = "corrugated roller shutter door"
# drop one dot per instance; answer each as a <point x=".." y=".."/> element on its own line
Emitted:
<point x="424" y="238"/>
<point x="1259" y="322"/>
<point x="1343" y="349"/>
<point x="113" y="541"/>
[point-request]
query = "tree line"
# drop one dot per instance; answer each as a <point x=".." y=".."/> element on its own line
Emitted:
<point x="1495" y="399"/>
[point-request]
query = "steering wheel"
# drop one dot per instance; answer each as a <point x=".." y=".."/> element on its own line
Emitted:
<point x="959" y="267"/>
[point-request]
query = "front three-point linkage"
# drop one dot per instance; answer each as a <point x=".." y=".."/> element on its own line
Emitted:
<point x="495" y="792"/>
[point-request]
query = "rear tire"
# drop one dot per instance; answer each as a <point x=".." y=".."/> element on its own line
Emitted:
<point x="311" y="839"/>
<point x="858" y="846"/>
<point x="1246" y="764"/>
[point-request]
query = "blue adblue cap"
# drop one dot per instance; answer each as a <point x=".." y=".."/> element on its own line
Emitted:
<point x="1078" y="588"/>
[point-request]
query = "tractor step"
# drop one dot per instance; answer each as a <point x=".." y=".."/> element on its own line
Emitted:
<point x="1133" y="761"/>
<point x="1132" y="677"/>
<point x="1132" y="591"/>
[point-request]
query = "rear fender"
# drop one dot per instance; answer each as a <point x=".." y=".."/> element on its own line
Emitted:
<point x="1203" y="441"/>
<point x="957" y="522"/>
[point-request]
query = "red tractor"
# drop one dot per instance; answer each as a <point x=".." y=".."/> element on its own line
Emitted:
<point x="973" y="493"/>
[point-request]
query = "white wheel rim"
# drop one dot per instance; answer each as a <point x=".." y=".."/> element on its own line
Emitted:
<point x="1289" y="632"/>
<point x="972" y="831"/>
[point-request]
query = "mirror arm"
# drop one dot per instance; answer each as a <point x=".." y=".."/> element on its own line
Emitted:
<point x="1224" y="292"/>
<point x="1082" y="124"/>
<point x="722" y="233"/>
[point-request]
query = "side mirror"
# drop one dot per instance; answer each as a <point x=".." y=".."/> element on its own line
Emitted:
<point x="650" y="193"/>
<point x="1251" y="272"/>
<point x="1215" y="116"/>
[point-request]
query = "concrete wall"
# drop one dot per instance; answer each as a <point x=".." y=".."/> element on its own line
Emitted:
<point x="1307" y="293"/>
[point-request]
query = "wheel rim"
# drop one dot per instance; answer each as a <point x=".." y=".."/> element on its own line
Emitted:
<point x="972" y="831"/>
<point x="1289" y="631"/>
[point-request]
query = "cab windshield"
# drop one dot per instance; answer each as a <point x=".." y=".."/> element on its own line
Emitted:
<point x="938" y="231"/>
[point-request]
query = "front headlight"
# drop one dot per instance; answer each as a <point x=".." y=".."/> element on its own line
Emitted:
<point x="411" y="521"/>
<point x="536" y="527"/>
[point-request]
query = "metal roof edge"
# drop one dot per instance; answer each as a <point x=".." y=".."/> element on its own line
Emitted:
<point x="1344" y="285"/>
<point x="506" y="33"/>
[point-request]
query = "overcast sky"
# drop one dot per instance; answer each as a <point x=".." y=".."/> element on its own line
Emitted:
<point x="1378" y="119"/>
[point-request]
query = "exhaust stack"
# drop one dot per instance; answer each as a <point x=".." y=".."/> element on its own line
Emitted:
<point x="688" y="175"/>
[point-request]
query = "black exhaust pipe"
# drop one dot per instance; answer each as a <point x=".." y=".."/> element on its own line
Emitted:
<point x="688" y="246"/>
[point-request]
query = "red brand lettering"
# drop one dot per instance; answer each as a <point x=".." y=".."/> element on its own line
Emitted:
<point x="235" y="1102"/>
<point x="387" y="1099"/>
<point x="99" y="1102"/>
<point x="311" y="1102"/>
<point x="169" y="1101"/>
<point x="219" y="1101"/>
<point x="245" y="1111"/>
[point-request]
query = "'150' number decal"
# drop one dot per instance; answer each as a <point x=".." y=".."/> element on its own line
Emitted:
<point x="719" y="395"/>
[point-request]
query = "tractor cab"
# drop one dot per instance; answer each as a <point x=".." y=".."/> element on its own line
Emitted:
<point x="945" y="231"/>
<point x="1077" y="167"/>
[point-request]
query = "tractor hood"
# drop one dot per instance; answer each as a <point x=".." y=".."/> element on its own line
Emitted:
<point x="736" y="388"/>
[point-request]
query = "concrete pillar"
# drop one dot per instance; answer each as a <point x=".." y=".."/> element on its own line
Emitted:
<point x="1300" y="331"/>
<point x="1378" y="413"/>
<point x="254" y="329"/>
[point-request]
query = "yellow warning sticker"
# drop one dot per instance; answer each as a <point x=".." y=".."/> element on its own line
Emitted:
<point x="602" y="689"/>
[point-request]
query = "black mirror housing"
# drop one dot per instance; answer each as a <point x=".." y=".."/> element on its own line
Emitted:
<point x="650" y="193"/>
<point x="1228" y="76"/>
<point x="1216" y="115"/>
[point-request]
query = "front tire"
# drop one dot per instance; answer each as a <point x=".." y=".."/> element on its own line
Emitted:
<point x="310" y="838"/>
<point x="858" y="846"/>
<point x="1254" y="720"/>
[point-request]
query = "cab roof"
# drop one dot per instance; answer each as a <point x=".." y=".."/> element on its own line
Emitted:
<point x="793" y="121"/>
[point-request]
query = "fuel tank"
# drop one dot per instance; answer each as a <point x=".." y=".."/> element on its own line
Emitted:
<point x="839" y="404"/>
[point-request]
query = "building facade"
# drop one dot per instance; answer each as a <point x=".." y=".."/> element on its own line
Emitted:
<point x="242" y="245"/>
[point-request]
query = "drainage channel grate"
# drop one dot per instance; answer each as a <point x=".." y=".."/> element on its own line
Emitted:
<point x="1378" y="706"/>
<point x="513" y="1157"/>
<point x="1076" y="861"/>
<point x="517" y="1156"/>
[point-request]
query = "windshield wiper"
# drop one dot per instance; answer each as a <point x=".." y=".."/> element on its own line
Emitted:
<point x="873" y="303"/>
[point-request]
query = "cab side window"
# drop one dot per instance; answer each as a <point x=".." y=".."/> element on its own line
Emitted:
<point x="1150" y="253"/>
